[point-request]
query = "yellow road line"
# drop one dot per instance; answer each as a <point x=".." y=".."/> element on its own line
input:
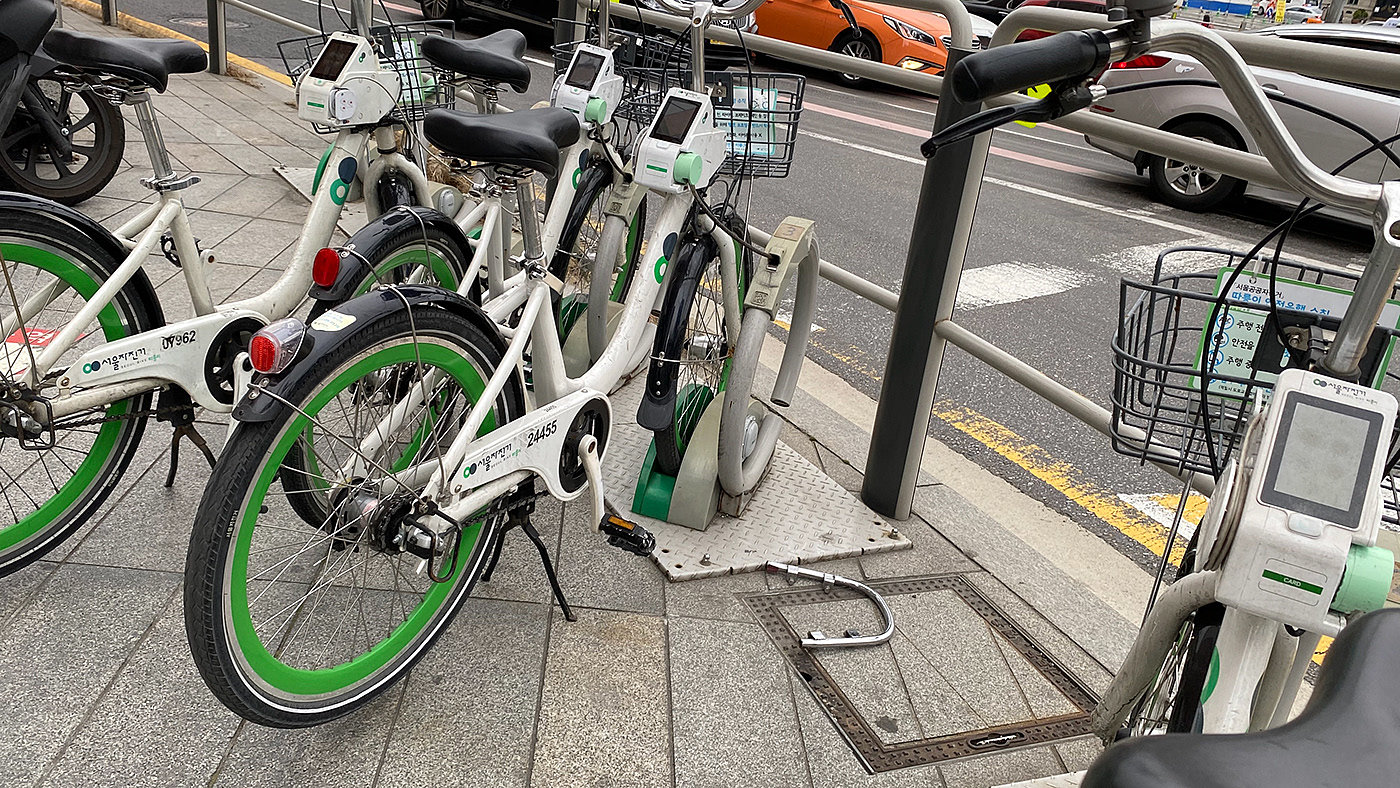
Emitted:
<point x="1065" y="478"/>
<point x="152" y="30"/>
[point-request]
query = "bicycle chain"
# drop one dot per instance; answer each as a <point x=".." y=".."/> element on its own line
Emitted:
<point x="140" y="414"/>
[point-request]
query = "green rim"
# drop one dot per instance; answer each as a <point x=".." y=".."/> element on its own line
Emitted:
<point x="107" y="436"/>
<point x="691" y="402"/>
<point x="442" y="272"/>
<point x="634" y="237"/>
<point x="301" y="681"/>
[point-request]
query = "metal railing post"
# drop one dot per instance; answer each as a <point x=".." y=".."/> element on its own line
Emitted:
<point x="932" y="269"/>
<point x="566" y="23"/>
<point x="109" y="12"/>
<point x="218" y="38"/>
<point x="361" y="16"/>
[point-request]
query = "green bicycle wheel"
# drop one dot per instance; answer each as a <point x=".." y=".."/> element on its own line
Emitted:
<point x="293" y="622"/>
<point x="47" y="493"/>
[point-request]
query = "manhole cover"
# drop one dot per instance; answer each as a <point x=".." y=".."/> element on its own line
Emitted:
<point x="201" y="23"/>
<point x="959" y="679"/>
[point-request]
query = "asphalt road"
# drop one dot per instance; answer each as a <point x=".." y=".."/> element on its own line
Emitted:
<point x="1058" y="223"/>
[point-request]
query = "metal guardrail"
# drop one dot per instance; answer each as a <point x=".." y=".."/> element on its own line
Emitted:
<point x="943" y="220"/>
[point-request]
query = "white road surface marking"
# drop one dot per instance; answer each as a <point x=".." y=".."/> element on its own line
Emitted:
<point x="1009" y="282"/>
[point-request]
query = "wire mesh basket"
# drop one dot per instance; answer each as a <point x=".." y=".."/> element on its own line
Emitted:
<point x="1182" y="395"/>
<point x="758" y="113"/>
<point x="631" y="50"/>
<point x="422" y="85"/>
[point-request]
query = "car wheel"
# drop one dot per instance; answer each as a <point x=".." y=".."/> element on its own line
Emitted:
<point x="1191" y="186"/>
<point x="439" y="9"/>
<point x="865" y="46"/>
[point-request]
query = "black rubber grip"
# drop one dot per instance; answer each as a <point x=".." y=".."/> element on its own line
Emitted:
<point x="1007" y="69"/>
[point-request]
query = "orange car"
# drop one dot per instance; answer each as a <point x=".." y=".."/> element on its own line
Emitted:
<point x="898" y="36"/>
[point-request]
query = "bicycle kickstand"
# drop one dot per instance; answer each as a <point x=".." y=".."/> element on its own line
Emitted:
<point x="186" y="431"/>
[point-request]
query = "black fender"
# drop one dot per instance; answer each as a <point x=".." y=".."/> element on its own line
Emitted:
<point x="657" y="410"/>
<point x="140" y="284"/>
<point x="596" y="174"/>
<point x="374" y="239"/>
<point x="365" y="310"/>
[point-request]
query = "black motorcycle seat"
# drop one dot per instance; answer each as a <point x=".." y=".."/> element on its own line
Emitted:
<point x="530" y="138"/>
<point x="23" y="24"/>
<point x="495" y="58"/>
<point x="1347" y="735"/>
<point x="149" y="62"/>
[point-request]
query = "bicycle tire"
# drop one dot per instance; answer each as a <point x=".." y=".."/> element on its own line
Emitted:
<point x="40" y="252"/>
<point x="274" y="679"/>
<point x="689" y="356"/>
<point x="100" y="150"/>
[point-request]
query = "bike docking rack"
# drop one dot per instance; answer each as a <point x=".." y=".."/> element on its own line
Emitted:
<point x="939" y="237"/>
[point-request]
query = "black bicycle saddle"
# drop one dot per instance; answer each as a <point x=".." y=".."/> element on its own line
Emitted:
<point x="495" y="58"/>
<point x="1349" y="734"/>
<point x="530" y="138"/>
<point x="147" y="61"/>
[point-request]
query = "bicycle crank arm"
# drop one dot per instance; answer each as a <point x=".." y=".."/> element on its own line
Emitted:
<point x="819" y="639"/>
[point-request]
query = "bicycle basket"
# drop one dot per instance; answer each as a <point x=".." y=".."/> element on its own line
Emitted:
<point x="1164" y="410"/>
<point x="758" y="112"/>
<point x="423" y="86"/>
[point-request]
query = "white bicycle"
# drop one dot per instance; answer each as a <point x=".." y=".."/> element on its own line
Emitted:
<point x="86" y="344"/>
<point x="1228" y="367"/>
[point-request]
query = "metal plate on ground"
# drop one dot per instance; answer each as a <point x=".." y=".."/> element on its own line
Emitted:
<point x="798" y="515"/>
<point x="959" y="679"/>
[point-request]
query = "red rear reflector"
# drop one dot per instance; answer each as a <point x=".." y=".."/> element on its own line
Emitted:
<point x="1145" y="61"/>
<point x="276" y="345"/>
<point x="326" y="267"/>
<point x="262" y="352"/>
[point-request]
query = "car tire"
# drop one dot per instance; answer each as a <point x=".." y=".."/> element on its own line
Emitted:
<point x="439" y="9"/>
<point x="865" y="47"/>
<point x="1190" y="186"/>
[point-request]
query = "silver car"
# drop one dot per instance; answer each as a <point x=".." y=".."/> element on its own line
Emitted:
<point x="1199" y="111"/>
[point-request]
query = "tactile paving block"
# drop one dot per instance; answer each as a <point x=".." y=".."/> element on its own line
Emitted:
<point x="798" y="515"/>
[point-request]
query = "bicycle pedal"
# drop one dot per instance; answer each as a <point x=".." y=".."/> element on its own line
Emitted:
<point x="627" y="535"/>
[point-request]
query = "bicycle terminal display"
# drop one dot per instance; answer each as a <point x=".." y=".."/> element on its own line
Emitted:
<point x="347" y="85"/>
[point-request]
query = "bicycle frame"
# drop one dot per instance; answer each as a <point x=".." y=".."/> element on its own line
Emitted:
<point x="1258" y="666"/>
<point x="178" y="353"/>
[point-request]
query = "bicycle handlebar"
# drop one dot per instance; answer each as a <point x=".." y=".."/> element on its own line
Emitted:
<point x="1080" y="53"/>
<point x="1248" y="99"/>
<point x="718" y="12"/>
<point x="1008" y="69"/>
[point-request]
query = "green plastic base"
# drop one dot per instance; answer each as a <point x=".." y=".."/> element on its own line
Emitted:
<point x="691" y="498"/>
<point x="654" y="489"/>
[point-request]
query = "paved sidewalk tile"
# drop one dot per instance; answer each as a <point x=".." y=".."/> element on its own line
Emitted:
<point x="468" y="712"/>
<point x="16" y="589"/>
<point x="595" y="574"/>
<point x="716" y="598"/>
<point x="344" y="753"/>
<point x="993" y="770"/>
<point x="733" y="716"/>
<point x="156" y="726"/>
<point x="605" y="710"/>
<point x="61" y="652"/>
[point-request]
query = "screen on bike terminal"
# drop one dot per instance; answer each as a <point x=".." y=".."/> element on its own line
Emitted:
<point x="675" y="120"/>
<point x="333" y="59"/>
<point x="585" y="70"/>
<point x="1322" y="462"/>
